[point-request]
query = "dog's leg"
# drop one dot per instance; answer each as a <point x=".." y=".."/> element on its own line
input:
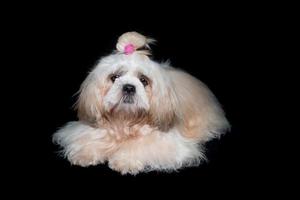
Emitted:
<point x="156" y="151"/>
<point x="82" y="144"/>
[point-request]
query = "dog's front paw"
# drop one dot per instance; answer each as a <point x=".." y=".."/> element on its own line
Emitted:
<point x="85" y="158"/>
<point x="126" y="166"/>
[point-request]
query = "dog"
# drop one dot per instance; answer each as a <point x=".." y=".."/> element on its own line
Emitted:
<point x="140" y="115"/>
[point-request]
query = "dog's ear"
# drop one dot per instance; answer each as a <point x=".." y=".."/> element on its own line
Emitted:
<point x="199" y="115"/>
<point x="89" y="100"/>
<point x="163" y="102"/>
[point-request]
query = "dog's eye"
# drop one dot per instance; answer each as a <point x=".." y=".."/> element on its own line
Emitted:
<point x="114" y="77"/>
<point x="144" y="81"/>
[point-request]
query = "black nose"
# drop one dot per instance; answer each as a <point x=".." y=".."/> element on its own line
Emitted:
<point x="128" y="89"/>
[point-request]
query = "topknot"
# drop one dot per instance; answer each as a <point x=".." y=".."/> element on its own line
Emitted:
<point x="134" y="42"/>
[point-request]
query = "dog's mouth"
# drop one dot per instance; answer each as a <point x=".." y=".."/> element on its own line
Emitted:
<point x="128" y="99"/>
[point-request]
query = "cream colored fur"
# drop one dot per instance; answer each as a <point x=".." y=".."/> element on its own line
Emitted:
<point x="163" y="129"/>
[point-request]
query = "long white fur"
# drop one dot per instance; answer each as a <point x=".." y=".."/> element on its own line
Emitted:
<point x="185" y="114"/>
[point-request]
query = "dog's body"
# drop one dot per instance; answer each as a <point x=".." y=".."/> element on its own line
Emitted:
<point x="140" y="115"/>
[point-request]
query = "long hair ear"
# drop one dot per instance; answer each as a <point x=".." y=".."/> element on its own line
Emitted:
<point x="89" y="100"/>
<point x="199" y="115"/>
<point x="163" y="102"/>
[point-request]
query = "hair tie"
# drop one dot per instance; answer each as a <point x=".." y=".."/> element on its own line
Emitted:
<point x="129" y="49"/>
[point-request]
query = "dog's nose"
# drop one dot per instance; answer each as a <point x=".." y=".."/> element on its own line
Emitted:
<point x="128" y="89"/>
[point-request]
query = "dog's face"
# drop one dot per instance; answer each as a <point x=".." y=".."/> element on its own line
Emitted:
<point x="128" y="86"/>
<point x="129" y="89"/>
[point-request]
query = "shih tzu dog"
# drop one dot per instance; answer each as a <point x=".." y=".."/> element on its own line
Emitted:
<point x="140" y="115"/>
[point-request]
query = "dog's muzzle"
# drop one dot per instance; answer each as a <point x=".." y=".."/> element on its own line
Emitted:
<point x="128" y="93"/>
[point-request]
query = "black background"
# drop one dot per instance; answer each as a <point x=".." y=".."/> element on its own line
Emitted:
<point x="225" y="48"/>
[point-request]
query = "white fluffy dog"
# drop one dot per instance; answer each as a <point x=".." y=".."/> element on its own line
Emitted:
<point x="140" y="115"/>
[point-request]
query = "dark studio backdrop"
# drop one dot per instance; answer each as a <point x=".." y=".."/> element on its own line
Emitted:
<point x="222" y="49"/>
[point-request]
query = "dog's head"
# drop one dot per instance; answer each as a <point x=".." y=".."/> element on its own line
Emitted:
<point x="128" y="85"/>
